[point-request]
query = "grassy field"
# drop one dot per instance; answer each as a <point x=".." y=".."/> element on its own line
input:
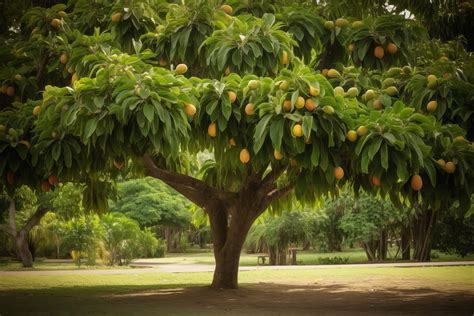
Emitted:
<point x="308" y="257"/>
<point x="366" y="290"/>
<point x="203" y="256"/>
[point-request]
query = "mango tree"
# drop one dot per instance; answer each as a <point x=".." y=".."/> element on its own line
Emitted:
<point x="159" y="82"/>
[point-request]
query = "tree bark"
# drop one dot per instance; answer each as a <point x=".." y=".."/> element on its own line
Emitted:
<point x="422" y="228"/>
<point x="20" y="237"/>
<point x="405" y="239"/>
<point x="231" y="213"/>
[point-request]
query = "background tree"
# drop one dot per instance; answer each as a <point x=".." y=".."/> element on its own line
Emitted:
<point x="153" y="204"/>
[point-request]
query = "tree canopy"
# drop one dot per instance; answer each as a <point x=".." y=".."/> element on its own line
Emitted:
<point x="297" y="98"/>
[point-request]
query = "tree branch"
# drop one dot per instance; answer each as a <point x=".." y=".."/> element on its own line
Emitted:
<point x="35" y="219"/>
<point x="274" y="174"/>
<point x="274" y="195"/>
<point x="195" y="190"/>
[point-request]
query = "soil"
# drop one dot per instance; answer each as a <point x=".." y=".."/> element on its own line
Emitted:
<point x="363" y="296"/>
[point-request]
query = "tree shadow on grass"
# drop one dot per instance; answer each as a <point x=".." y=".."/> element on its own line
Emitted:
<point x="250" y="299"/>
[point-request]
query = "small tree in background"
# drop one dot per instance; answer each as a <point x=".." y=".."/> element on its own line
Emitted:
<point x="81" y="237"/>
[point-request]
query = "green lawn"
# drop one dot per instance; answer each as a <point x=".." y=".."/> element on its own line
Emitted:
<point x="203" y="256"/>
<point x="158" y="293"/>
<point x="303" y="257"/>
<point x="112" y="283"/>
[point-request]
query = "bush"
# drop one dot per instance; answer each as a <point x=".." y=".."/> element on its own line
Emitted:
<point x="81" y="236"/>
<point x="333" y="260"/>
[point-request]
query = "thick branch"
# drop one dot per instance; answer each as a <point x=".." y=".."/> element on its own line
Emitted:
<point x="274" y="195"/>
<point x="268" y="183"/>
<point x="35" y="219"/>
<point x="195" y="190"/>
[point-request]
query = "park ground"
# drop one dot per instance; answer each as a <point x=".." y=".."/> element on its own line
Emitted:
<point x="359" y="290"/>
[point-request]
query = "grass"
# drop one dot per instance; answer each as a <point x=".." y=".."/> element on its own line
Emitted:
<point x="153" y="280"/>
<point x="206" y="256"/>
<point x="160" y="293"/>
<point x="41" y="265"/>
<point x="308" y="257"/>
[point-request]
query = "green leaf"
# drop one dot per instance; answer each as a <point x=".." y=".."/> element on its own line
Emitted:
<point x="276" y="132"/>
<point x="384" y="156"/>
<point x="56" y="151"/>
<point x="67" y="155"/>
<point x="261" y="132"/>
<point x="307" y="125"/>
<point x="90" y="127"/>
<point x="149" y="112"/>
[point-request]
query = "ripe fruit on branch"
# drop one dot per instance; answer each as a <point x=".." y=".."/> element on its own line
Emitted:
<point x="341" y="22"/>
<point x="379" y="52"/>
<point x="45" y="187"/>
<point x="392" y="48"/>
<point x="339" y="91"/>
<point x="362" y="130"/>
<point x="329" y="25"/>
<point x="310" y="105"/>
<point x="376" y="181"/>
<point x="328" y="109"/>
<point x="55" y="23"/>
<point x="244" y="156"/>
<point x="36" y="110"/>
<point x="450" y="167"/>
<point x="352" y="92"/>
<point x="300" y="103"/>
<point x="227" y="9"/>
<point x="253" y="84"/>
<point x="64" y="58"/>
<point x="189" y="109"/>
<point x="284" y="58"/>
<point x="277" y="155"/>
<point x="232" y="96"/>
<point x="212" y="129"/>
<point x="181" y="69"/>
<point x="297" y="130"/>
<point x="313" y="91"/>
<point x="369" y="95"/>
<point x="10" y="91"/>
<point x="377" y="104"/>
<point x="351" y="136"/>
<point x="333" y="73"/>
<point x="416" y="182"/>
<point x="338" y="173"/>
<point x="74" y="78"/>
<point x="249" y="109"/>
<point x="284" y="85"/>
<point x="116" y="17"/>
<point x="53" y="180"/>
<point x="287" y="105"/>
<point x="432" y="106"/>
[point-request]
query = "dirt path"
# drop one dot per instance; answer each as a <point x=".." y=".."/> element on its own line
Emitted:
<point x="147" y="267"/>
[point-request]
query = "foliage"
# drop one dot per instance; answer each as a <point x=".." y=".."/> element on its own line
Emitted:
<point x="123" y="240"/>
<point x="150" y="202"/>
<point x="454" y="234"/>
<point x="333" y="260"/>
<point x="81" y="236"/>
<point x="366" y="217"/>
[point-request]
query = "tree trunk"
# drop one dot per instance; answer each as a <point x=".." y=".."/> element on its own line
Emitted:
<point x="405" y="237"/>
<point x="228" y="234"/>
<point x="21" y="243"/>
<point x="231" y="213"/>
<point x="422" y="235"/>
